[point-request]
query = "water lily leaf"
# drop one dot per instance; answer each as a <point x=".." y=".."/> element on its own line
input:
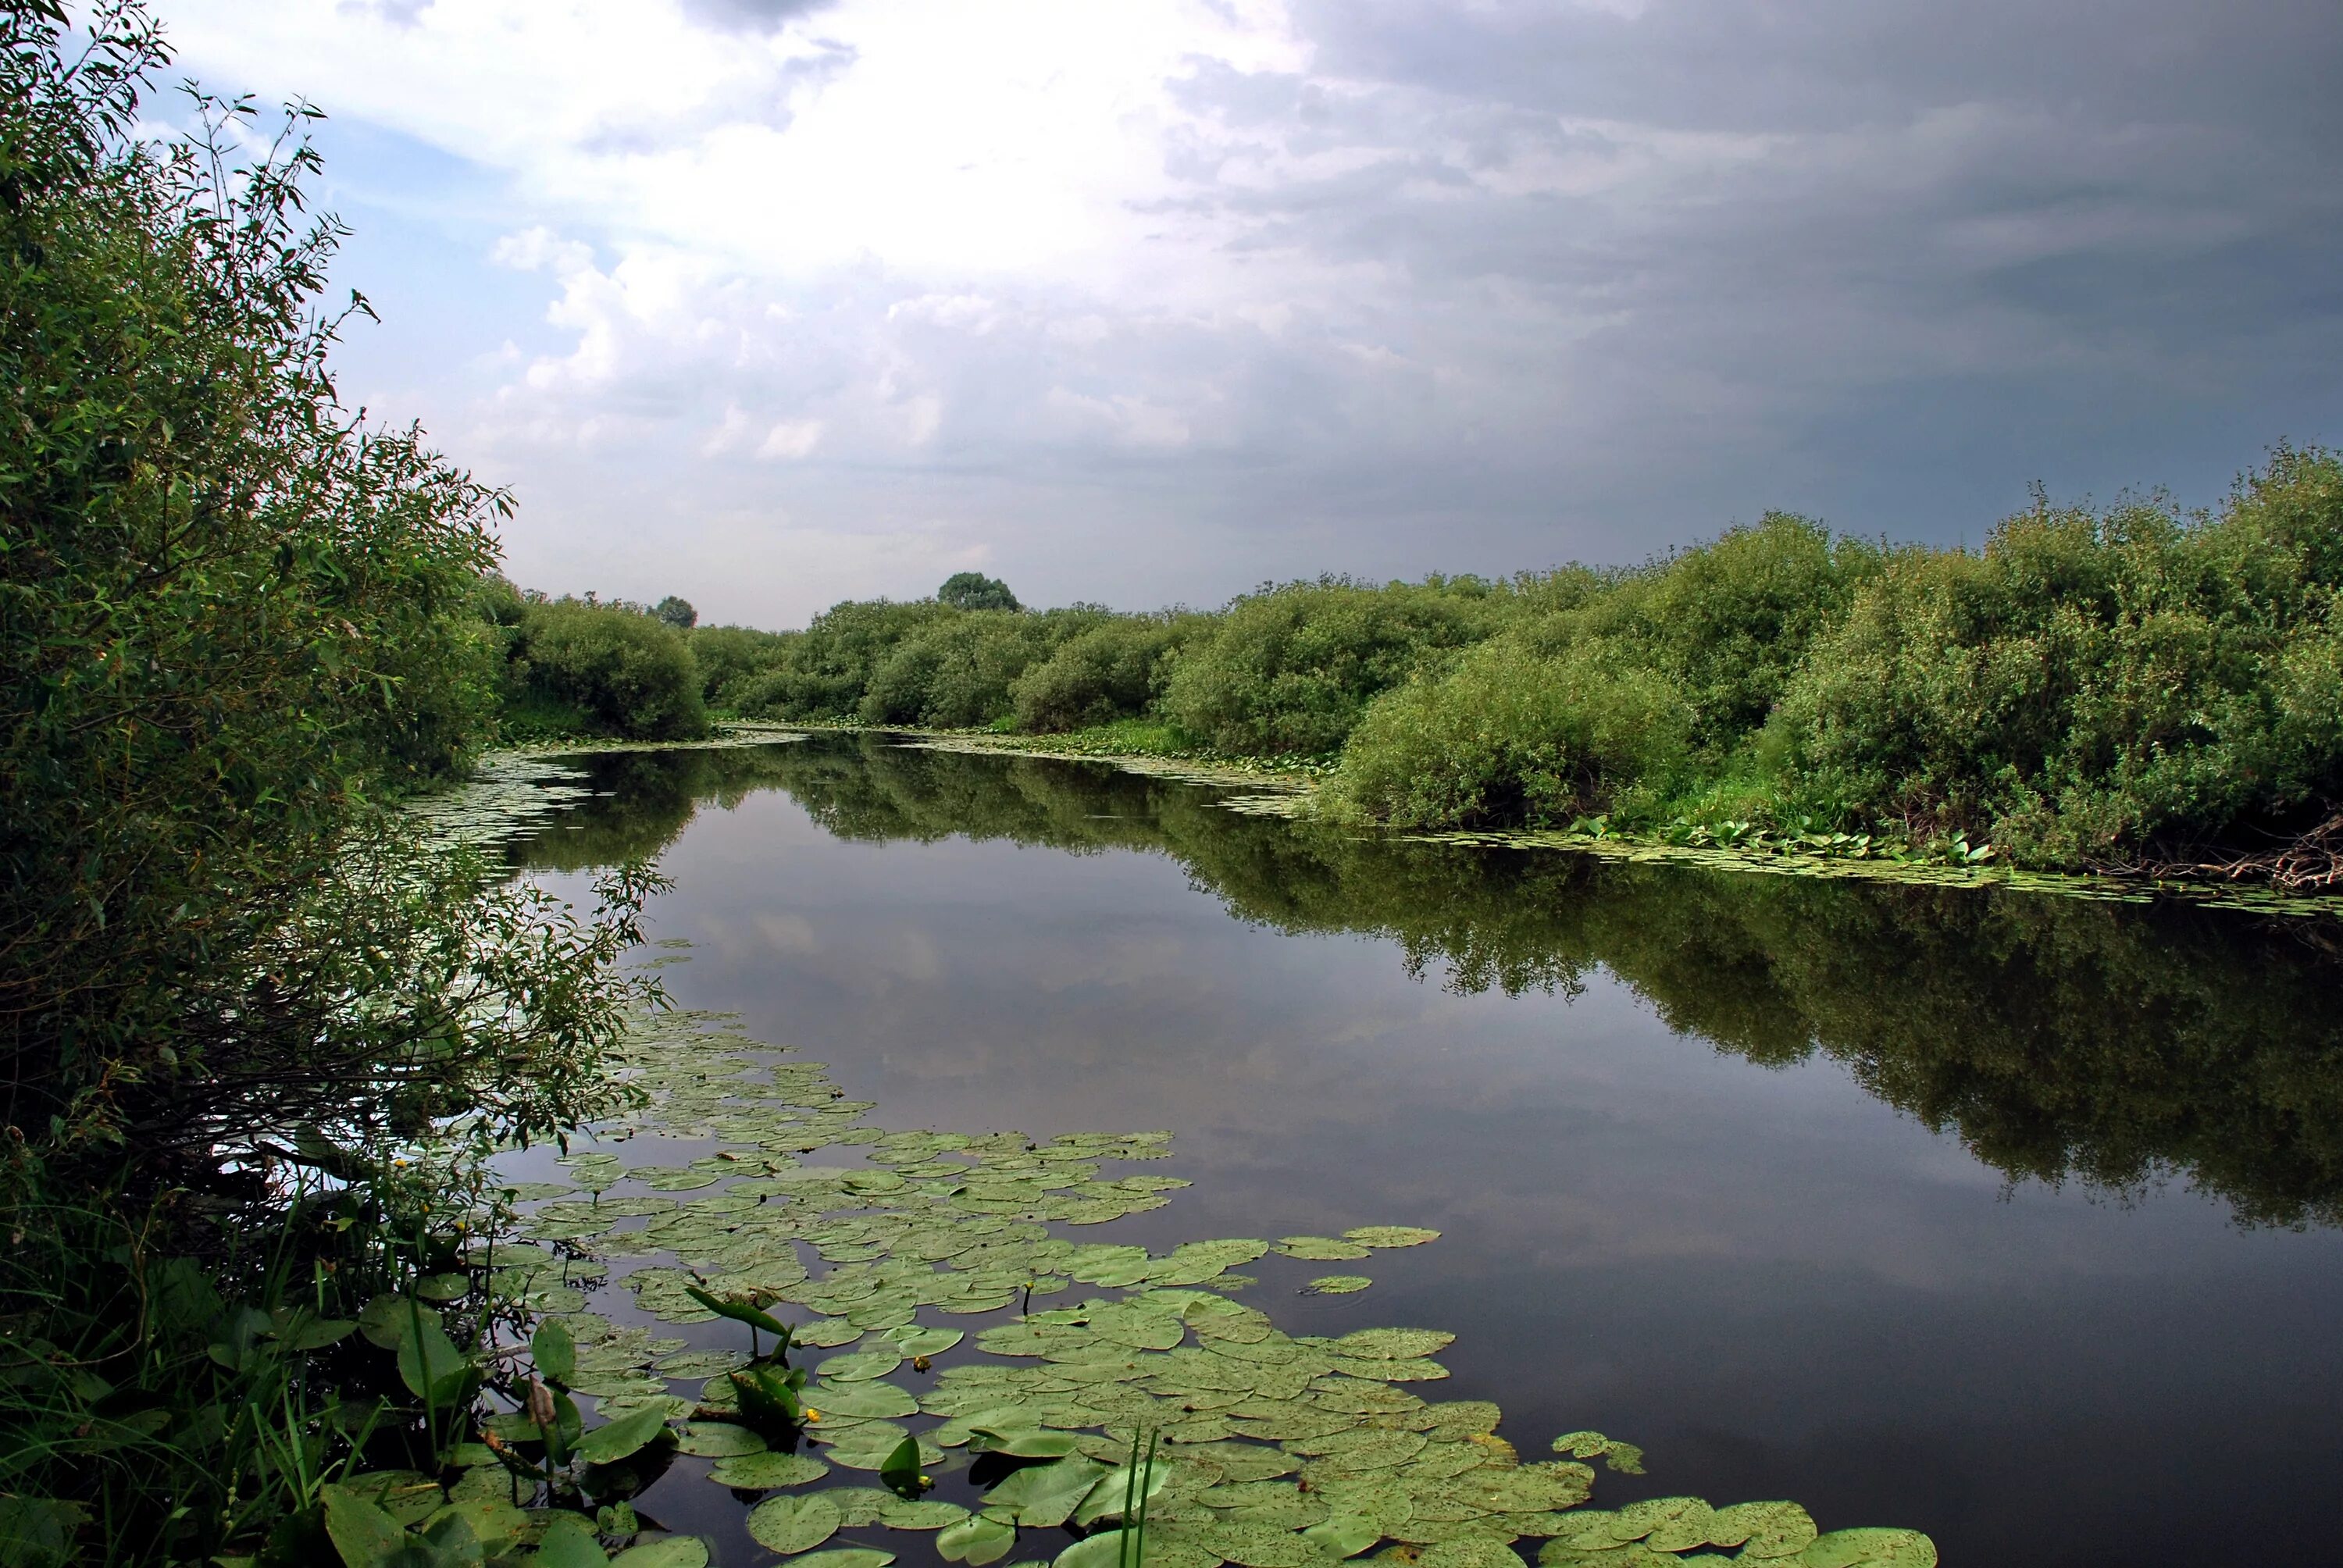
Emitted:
<point x="627" y="1435"/>
<point x="1044" y="1495"/>
<point x="718" y="1440"/>
<point x="769" y="1398"/>
<point x="554" y="1351"/>
<point x="1321" y="1249"/>
<point x="568" y="1541"/>
<point x="860" y="1365"/>
<point x="444" y="1287"/>
<point x="1470" y="1552"/>
<point x="914" y="1341"/>
<point x="845" y="1557"/>
<point x="1869" y="1549"/>
<point x="1339" y="1284"/>
<point x="867" y="1399"/>
<point x="1261" y="1545"/>
<point x="1624" y="1458"/>
<point x="793" y="1523"/>
<point x="669" y="1552"/>
<point x="920" y="1513"/>
<point x="430" y="1364"/>
<point x="1343" y="1534"/>
<point x="383" y="1321"/>
<point x="826" y="1333"/>
<point x="361" y="1530"/>
<point x="1108" y="1493"/>
<point x="977" y="1540"/>
<point x="901" y="1465"/>
<point x="764" y="1471"/>
<point x="1391" y="1235"/>
<point x="1763" y="1530"/>
<point x="1020" y="1442"/>
<point x="1394" y="1344"/>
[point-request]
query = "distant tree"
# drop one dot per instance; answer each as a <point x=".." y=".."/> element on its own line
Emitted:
<point x="974" y="590"/>
<point x="677" y="612"/>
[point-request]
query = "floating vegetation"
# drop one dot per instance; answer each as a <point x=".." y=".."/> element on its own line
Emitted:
<point x="1270" y="1449"/>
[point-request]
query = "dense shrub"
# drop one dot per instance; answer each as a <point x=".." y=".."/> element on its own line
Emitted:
<point x="1102" y="675"/>
<point x="1290" y="669"/>
<point x="730" y="656"/>
<point x="627" y="673"/>
<point x="826" y="670"/>
<point x="1510" y="736"/>
<point x="2094" y="682"/>
<point x="956" y="674"/>
<point x="974" y="590"/>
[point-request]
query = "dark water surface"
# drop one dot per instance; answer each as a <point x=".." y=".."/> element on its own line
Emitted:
<point x="2012" y="1219"/>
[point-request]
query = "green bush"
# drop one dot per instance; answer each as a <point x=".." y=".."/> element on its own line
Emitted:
<point x="1107" y="673"/>
<point x="628" y="673"/>
<point x="1513" y="737"/>
<point x="956" y="674"/>
<point x="1290" y="669"/>
<point x="2097" y="682"/>
<point x="826" y="670"/>
<point x="974" y="590"/>
<point x="730" y="656"/>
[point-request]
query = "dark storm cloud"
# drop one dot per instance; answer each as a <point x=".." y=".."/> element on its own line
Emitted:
<point x="1857" y="257"/>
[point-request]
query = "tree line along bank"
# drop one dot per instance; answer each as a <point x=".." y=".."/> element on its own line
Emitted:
<point x="2095" y="687"/>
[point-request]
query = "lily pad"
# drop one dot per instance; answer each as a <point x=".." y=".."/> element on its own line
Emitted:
<point x="1339" y="1284"/>
<point x="791" y="1522"/>
<point x="1044" y="1495"/>
<point x="768" y="1471"/>
<point x="867" y="1398"/>
<point x="1321" y="1249"/>
<point x="844" y="1557"/>
<point x="669" y="1552"/>
<point x="718" y="1440"/>
<point x="1869" y="1549"/>
<point x="977" y="1540"/>
<point x="1394" y="1344"/>
<point x="858" y="1366"/>
<point x="1391" y="1235"/>
<point x="1343" y="1534"/>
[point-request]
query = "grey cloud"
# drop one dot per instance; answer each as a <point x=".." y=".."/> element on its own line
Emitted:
<point x="750" y="16"/>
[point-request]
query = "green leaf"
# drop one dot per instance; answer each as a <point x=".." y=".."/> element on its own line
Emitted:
<point x="859" y="1364"/>
<point x="1107" y="1499"/>
<point x="718" y="1440"/>
<point x="554" y="1351"/>
<point x="901" y="1466"/>
<point x="791" y="1524"/>
<point x="1869" y="1549"/>
<point x="1044" y="1495"/>
<point x="768" y="1399"/>
<point x="868" y="1401"/>
<point x="430" y="1364"/>
<point x="740" y="1313"/>
<point x="362" y="1532"/>
<point x="1391" y="1235"/>
<point x="977" y="1540"/>
<point x="1020" y="1442"/>
<point x="765" y="1472"/>
<point x="568" y="1541"/>
<point x="1343" y="1534"/>
<point x="444" y="1287"/>
<point x="845" y="1557"/>
<point x="672" y="1552"/>
<point x="608" y="1444"/>
<point x="1339" y="1284"/>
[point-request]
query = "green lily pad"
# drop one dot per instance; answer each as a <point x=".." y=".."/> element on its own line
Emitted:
<point x="1343" y="1534"/>
<point x="1394" y="1344"/>
<point x="1339" y="1284"/>
<point x="793" y="1523"/>
<point x="1624" y="1458"/>
<point x="1470" y="1552"/>
<point x="858" y="1366"/>
<point x="1391" y="1235"/>
<point x="914" y="1341"/>
<point x="1045" y="1495"/>
<point x="867" y="1399"/>
<point x="926" y="1514"/>
<point x="1261" y="1545"/>
<point x="765" y="1472"/>
<point x="1869" y="1549"/>
<point x="444" y="1287"/>
<point x="718" y="1440"/>
<point x="845" y="1557"/>
<point x="977" y="1540"/>
<point x="670" y="1552"/>
<point x="1321" y="1249"/>
<point x="1764" y="1530"/>
<point x="825" y="1333"/>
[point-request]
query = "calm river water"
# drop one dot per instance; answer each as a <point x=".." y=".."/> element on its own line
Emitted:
<point x="2010" y="1218"/>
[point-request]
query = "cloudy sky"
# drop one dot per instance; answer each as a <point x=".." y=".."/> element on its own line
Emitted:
<point x="771" y="303"/>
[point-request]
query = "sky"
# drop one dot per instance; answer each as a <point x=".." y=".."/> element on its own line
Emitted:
<point x="775" y="303"/>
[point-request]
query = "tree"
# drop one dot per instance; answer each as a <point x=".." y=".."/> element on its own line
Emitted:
<point x="677" y="612"/>
<point x="974" y="590"/>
